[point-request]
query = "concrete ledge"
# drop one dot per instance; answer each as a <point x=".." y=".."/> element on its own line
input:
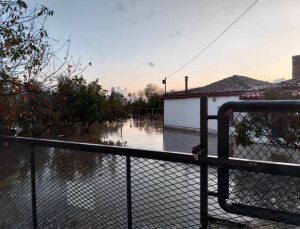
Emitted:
<point x="189" y="129"/>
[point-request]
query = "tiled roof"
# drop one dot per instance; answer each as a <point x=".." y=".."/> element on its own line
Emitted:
<point x="292" y="86"/>
<point x="231" y="85"/>
<point x="255" y="95"/>
<point x="288" y="84"/>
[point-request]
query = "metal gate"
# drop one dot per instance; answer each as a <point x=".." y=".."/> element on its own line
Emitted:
<point x="254" y="182"/>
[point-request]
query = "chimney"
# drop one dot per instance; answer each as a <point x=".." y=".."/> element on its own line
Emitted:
<point x="296" y="67"/>
<point x="186" y="83"/>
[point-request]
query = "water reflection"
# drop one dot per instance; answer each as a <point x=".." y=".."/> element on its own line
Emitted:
<point x="79" y="188"/>
<point x="183" y="141"/>
<point x="14" y="165"/>
<point x="76" y="189"/>
<point x="136" y="133"/>
<point x="68" y="163"/>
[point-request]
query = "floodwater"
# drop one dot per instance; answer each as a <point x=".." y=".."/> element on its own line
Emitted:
<point x="138" y="133"/>
<point x="89" y="190"/>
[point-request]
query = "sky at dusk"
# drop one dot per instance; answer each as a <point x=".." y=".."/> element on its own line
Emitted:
<point x="136" y="42"/>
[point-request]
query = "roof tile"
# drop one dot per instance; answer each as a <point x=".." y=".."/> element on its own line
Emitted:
<point x="232" y="85"/>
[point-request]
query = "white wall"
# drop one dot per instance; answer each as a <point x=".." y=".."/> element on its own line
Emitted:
<point x="213" y="108"/>
<point x="182" y="112"/>
<point x="185" y="113"/>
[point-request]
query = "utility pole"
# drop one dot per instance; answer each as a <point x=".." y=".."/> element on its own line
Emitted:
<point x="164" y="81"/>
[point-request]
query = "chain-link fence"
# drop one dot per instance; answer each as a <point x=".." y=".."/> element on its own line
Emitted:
<point x="262" y="187"/>
<point x="254" y="183"/>
<point x="15" y="186"/>
<point x="267" y="136"/>
<point x="254" y="200"/>
<point x="98" y="189"/>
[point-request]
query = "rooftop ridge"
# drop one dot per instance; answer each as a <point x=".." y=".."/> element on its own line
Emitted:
<point x="232" y="84"/>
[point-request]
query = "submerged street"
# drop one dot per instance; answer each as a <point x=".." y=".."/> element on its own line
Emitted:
<point x="142" y="133"/>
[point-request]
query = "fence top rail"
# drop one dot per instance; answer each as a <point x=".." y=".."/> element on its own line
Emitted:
<point x="232" y="163"/>
<point x="261" y="106"/>
<point x="181" y="157"/>
<point x="258" y="166"/>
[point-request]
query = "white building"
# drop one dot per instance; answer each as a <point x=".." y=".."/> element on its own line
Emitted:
<point x="182" y="108"/>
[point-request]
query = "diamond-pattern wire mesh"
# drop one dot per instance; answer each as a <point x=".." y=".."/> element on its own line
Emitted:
<point x="76" y="189"/>
<point x="15" y="186"/>
<point x="256" y="190"/>
<point x="267" y="137"/>
<point x="80" y="189"/>
<point x="266" y="191"/>
<point x="165" y="194"/>
<point x="88" y="190"/>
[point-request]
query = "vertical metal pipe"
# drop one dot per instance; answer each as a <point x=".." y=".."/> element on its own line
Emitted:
<point x="203" y="168"/>
<point x="223" y="152"/>
<point x="33" y="188"/>
<point x="203" y="126"/>
<point x="129" y="206"/>
<point x="186" y="83"/>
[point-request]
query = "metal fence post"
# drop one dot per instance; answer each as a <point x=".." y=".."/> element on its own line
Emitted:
<point x="33" y="188"/>
<point x="203" y="168"/>
<point x="223" y="152"/>
<point x="129" y="206"/>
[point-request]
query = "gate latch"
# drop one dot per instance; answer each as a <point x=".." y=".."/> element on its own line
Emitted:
<point x="197" y="151"/>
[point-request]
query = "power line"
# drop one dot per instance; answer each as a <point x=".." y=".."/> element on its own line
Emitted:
<point x="213" y="41"/>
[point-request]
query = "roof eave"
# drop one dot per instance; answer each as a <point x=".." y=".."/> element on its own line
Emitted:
<point x="189" y="96"/>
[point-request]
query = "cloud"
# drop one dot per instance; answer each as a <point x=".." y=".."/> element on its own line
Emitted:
<point x="132" y="2"/>
<point x="133" y="22"/>
<point x="120" y="6"/>
<point x="178" y="33"/>
<point x="214" y="70"/>
<point x="150" y="15"/>
<point x="226" y="8"/>
<point x="151" y="64"/>
<point x="123" y="5"/>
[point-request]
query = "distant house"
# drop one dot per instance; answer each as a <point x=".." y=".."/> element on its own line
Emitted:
<point x="292" y="87"/>
<point x="182" y="108"/>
